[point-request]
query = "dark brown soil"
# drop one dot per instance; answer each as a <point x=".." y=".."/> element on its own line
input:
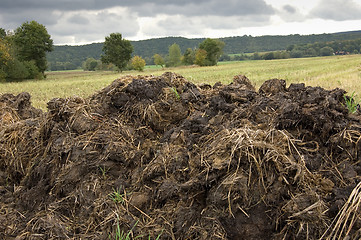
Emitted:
<point x="161" y="156"/>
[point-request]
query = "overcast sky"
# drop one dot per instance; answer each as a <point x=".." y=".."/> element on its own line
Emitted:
<point x="77" y="22"/>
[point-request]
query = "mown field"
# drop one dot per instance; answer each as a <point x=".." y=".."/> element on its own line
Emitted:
<point x="327" y="72"/>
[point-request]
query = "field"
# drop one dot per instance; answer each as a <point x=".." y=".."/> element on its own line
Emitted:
<point x="328" y="72"/>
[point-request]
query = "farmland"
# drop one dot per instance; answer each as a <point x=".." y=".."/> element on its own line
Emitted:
<point x="328" y="72"/>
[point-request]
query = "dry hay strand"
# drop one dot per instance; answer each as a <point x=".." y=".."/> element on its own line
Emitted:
<point x="19" y="146"/>
<point x="260" y="167"/>
<point x="341" y="226"/>
<point x="8" y="115"/>
<point x="231" y="148"/>
<point x="306" y="216"/>
<point x="46" y="225"/>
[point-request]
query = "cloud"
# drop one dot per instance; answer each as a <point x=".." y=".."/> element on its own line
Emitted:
<point x="180" y="25"/>
<point x="93" y="26"/>
<point x="78" y="19"/>
<point x="151" y="8"/>
<point x="90" y="20"/>
<point x="289" y="9"/>
<point x="290" y="13"/>
<point x="338" y="10"/>
<point x="204" y="8"/>
<point x="13" y="19"/>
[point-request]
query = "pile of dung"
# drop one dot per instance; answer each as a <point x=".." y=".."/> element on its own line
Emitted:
<point x="158" y="157"/>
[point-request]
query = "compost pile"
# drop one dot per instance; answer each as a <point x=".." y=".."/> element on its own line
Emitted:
<point x="160" y="157"/>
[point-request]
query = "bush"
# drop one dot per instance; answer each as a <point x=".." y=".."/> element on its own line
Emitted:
<point x="269" y="56"/>
<point x="326" y="51"/>
<point x="33" y="71"/>
<point x="138" y="63"/>
<point x="201" y="56"/>
<point x="296" y="54"/>
<point x="90" y="64"/>
<point x="16" y="70"/>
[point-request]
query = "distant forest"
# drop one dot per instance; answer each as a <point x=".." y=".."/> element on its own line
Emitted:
<point x="71" y="57"/>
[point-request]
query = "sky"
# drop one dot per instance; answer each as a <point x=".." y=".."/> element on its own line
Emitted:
<point x="77" y="22"/>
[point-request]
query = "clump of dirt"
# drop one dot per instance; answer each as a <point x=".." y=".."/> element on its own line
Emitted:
<point x="158" y="156"/>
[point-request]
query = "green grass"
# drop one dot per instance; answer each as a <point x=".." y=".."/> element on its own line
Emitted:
<point x="117" y="197"/>
<point x="327" y="72"/>
<point x="351" y="103"/>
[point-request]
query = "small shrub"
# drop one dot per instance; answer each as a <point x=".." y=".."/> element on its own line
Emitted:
<point x="138" y="63"/>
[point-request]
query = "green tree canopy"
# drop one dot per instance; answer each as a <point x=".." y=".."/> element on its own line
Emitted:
<point x="32" y="41"/>
<point x="214" y="49"/>
<point x="158" y="60"/>
<point x="326" y="51"/>
<point x="200" y="58"/>
<point x="189" y="57"/>
<point x="90" y="64"/>
<point x="117" y="50"/>
<point x="5" y="58"/>
<point x="138" y="63"/>
<point x="174" y="58"/>
<point x="2" y="33"/>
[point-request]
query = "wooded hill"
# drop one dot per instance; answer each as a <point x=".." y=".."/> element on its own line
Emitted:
<point x="71" y="57"/>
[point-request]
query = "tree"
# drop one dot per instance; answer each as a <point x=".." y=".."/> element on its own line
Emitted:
<point x="90" y="64"/>
<point x="174" y="58"/>
<point x="2" y="33"/>
<point x="138" y="63"/>
<point x="269" y="56"/>
<point x="296" y="53"/>
<point x="214" y="49"/>
<point x="117" y="51"/>
<point x="32" y="41"/>
<point x="158" y="60"/>
<point x="256" y="56"/>
<point x="201" y="56"/>
<point x="5" y="57"/>
<point x="189" y="57"/>
<point x="326" y="51"/>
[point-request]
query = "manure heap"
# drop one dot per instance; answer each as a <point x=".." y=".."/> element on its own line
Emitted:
<point x="160" y="157"/>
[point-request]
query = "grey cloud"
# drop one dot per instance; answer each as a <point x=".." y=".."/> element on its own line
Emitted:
<point x="78" y="19"/>
<point x="100" y="24"/>
<point x="291" y="14"/>
<point x="338" y="10"/>
<point x="289" y="9"/>
<point x="13" y="19"/>
<point x="151" y="8"/>
<point x="179" y="25"/>
<point x="204" y="8"/>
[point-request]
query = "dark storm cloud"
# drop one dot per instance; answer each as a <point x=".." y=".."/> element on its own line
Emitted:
<point x="338" y="10"/>
<point x="13" y="18"/>
<point x="150" y="8"/>
<point x="92" y="20"/>
<point x="204" y="8"/>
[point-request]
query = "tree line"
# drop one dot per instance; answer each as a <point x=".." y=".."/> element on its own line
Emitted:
<point x="339" y="47"/>
<point x="118" y="55"/>
<point x="72" y="57"/>
<point x="23" y="54"/>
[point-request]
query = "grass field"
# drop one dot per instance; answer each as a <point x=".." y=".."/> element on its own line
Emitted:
<point x="328" y="72"/>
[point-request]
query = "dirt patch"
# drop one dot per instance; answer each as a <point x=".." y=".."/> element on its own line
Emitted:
<point x="161" y="156"/>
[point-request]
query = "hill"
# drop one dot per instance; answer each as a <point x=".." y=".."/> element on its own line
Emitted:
<point x="70" y="57"/>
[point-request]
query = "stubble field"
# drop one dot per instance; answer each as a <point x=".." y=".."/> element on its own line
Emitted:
<point x="327" y="72"/>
